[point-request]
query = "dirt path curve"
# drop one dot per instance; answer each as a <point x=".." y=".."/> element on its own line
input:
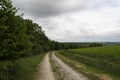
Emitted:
<point x="45" y="69"/>
<point x="68" y="71"/>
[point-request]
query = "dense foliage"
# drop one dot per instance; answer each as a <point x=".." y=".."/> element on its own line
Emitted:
<point x="18" y="38"/>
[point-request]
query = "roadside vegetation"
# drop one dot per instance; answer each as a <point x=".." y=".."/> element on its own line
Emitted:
<point x="27" y="67"/>
<point x="101" y="60"/>
<point x="23" y="69"/>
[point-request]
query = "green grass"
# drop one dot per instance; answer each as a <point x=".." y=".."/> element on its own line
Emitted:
<point x="27" y="67"/>
<point x="100" y="59"/>
<point x="110" y="50"/>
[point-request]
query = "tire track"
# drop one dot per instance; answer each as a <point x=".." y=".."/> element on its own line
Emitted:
<point x="68" y="71"/>
<point x="45" y="69"/>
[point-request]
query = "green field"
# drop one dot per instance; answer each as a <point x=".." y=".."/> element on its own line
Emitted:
<point x="100" y="59"/>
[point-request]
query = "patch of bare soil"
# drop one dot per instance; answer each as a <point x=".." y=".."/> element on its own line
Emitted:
<point x="45" y="70"/>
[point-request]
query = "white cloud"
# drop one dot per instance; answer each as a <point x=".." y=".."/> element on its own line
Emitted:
<point x="85" y="25"/>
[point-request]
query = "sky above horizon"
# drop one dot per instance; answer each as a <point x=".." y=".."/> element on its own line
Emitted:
<point x="75" y="20"/>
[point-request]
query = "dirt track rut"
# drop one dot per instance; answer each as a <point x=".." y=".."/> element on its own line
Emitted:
<point x="68" y="71"/>
<point x="45" y="69"/>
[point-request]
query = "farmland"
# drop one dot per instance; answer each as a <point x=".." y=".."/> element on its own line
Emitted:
<point x="103" y="60"/>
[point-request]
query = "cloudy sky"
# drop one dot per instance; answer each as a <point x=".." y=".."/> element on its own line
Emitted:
<point x="75" y="20"/>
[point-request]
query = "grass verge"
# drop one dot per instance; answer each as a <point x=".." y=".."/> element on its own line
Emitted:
<point x="27" y="68"/>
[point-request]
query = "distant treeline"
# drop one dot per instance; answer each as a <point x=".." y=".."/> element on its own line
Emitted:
<point x="73" y="45"/>
<point x="22" y="37"/>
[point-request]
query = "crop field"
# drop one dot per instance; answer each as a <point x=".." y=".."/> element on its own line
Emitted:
<point x="106" y="59"/>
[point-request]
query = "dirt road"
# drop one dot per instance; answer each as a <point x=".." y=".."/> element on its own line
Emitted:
<point x="45" y="69"/>
<point x="46" y="72"/>
<point x="70" y="74"/>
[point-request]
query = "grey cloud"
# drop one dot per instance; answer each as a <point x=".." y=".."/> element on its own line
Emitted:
<point x="46" y="8"/>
